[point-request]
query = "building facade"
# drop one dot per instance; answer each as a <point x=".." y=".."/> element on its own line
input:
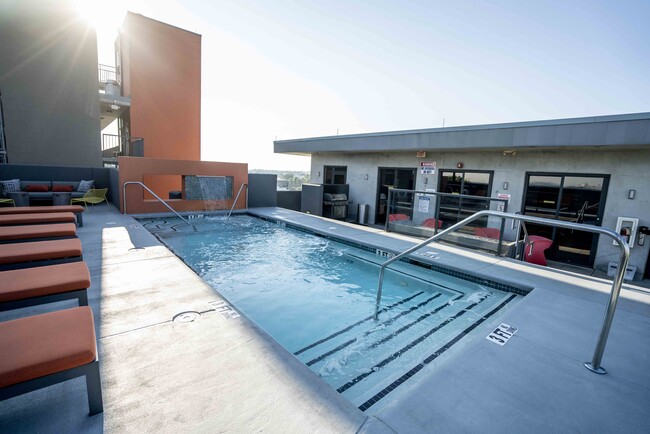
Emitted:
<point x="587" y="170"/>
<point x="161" y="73"/>
<point x="48" y="80"/>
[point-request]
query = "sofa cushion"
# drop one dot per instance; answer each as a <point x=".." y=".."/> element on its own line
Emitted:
<point x="24" y="184"/>
<point x="84" y="186"/>
<point x="37" y="188"/>
<point x="9" y="185"/>
<point x="74" y="184"/>
<point x="62" y="188"/>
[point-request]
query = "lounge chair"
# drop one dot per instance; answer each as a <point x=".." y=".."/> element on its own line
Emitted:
<point x="19" y="234"/>
<point x="33" y="254"/>
<point x="42" y="350"/>
<point x="493" y="233"/>
<point x="7" y="201"/>
<point x="535" y="248"/>
<point x="49" y="284"/>
<point x="397" y="217"/>
<point x="92" y="196"/>
<point x="432" y="223"/>
<point x="35" y="219"/>
<point x="76" y="209"/>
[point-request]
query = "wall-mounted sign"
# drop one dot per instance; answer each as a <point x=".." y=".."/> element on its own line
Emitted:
<point x="421" y="154"/>
<point x="423" y="204"/>
<point x="428" y="168"/>
<point x="501" y="205"/>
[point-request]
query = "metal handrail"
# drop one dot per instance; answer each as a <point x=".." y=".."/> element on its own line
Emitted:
<point x="154" y="195"/>
<point x="594" y="365"/>
<point x="237" y="198"/>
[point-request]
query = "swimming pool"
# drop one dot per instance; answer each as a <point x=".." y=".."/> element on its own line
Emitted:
<point x="316" y="296"/>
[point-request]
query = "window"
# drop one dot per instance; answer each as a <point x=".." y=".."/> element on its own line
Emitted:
<point x="472" y="183"/>
<point x="335" y="174"/>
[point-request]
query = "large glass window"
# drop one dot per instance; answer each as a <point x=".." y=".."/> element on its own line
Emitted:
<point x="335" y="174"/>
<point x="572" y="198"/>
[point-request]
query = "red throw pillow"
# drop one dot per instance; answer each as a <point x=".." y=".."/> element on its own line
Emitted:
<point x="62" y="188"/>
<point x="41" y="188"/>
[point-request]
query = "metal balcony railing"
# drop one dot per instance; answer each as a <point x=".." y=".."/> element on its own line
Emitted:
<point x="127" y="146"/>
<point x="108" y="74"/>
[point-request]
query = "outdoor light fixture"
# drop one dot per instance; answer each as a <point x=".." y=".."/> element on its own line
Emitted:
<point x="115" y="107"/>
<point x="366" y="177"/>
<point x="459" y="165"/>
<point x="505" y="185"/>
<point x="318" y="175"/>
<point x="631" y="194"/>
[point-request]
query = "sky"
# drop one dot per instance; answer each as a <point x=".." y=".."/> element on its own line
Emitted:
<point x="276" y="70"/>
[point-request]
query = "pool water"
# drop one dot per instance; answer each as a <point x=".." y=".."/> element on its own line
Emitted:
<point x="316" y="297"/>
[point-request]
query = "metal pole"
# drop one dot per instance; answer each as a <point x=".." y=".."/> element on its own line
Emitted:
<point x="154" y="195"/>
<point x="594" y="365"/>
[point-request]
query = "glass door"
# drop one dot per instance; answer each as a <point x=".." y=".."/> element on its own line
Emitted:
<point x="396" y="178"/>
<point x="568" y="197"/>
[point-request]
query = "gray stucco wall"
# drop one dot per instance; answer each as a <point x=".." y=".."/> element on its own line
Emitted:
<point x="49" y="84"/>
<point x="629" y="169"/>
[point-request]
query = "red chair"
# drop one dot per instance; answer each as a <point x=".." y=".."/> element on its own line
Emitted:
<point x="493" y="233"/>
<point x="432" y="223"/>
<point x="535" y="248"/>
<point x="397" y="217"/>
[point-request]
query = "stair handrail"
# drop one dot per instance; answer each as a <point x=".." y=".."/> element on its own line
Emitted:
<point x="154" y="195"/>
<point x="617" y="282"/>
<point x="237" y="198"/>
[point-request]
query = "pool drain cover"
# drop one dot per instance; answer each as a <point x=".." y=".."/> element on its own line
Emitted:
<point x="185" y="317"/>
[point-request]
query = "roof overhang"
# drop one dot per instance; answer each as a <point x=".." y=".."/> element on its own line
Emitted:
<point x="629" y="131"/>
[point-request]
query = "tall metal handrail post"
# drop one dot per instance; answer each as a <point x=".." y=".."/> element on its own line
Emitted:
<point x="154" y="195"/>
<point x="237" y="198"/>
<point x="594" y="365"/>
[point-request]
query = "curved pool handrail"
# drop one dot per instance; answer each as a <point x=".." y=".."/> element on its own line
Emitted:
<point x="594" y="365"/>
<point x="154" y="195"/>
<point x="237" y="198"/>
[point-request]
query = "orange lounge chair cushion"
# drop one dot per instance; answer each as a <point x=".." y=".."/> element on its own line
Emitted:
<point x="39" y="251"/>
<point x="40" y="345"/>
<point x="41" y="209"/>
<point x="488" y="232"/>
<point x="37" y="282"/>
<point x="28" y="219"/>
<point x="432" y="223"/>
<point x="37" y="231"/>
<point x="397" y="217"/>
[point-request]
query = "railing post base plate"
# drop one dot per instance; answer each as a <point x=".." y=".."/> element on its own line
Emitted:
<point x="599" y="370"/>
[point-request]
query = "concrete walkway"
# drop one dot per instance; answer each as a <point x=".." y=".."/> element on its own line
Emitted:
<point x="226" y="375"/>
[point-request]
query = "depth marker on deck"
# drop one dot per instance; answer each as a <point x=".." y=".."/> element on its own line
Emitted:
<point x="501" y="334"/>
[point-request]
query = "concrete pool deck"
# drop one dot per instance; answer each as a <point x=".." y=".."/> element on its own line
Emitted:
<point x="219" y="375"/>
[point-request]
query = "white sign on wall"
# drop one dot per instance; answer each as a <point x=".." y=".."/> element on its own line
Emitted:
<point x="428" y="167"/>
<point x="501" y="205"/>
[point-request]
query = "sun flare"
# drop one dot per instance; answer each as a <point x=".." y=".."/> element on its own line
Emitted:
<point x="105" y="18"/>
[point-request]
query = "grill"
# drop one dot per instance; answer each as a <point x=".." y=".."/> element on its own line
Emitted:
<point x="335" y="205"/>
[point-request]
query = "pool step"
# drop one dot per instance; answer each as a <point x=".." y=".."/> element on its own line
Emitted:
<point x="404" y="336"/>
